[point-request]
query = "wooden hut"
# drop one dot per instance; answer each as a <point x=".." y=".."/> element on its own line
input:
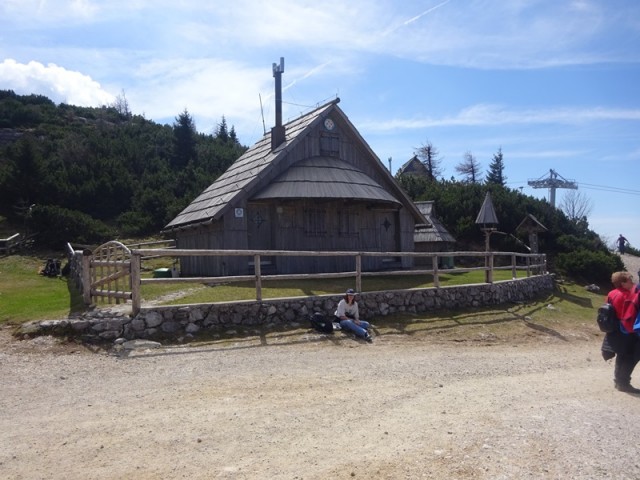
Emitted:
<point x="432" y="236"/>
<point x="414" y="167"/>
<point x="531" y="226"/>
<point x="312" y="184"/>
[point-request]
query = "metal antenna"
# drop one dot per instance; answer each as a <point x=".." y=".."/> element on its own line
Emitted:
<point x="264" y="127"/>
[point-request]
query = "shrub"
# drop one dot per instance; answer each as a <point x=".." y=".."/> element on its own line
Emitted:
<point x="135" y="224"/>
<point x="589" y="266"/>
<point x="56" y="226"/>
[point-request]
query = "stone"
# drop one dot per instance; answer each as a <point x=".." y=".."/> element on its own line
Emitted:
<point x="192" y="328"/>
<point x="138" y="324"/>
<point x="138" y="344"/>
<point x="153" y="319"/>
<point x="170" y="327"/>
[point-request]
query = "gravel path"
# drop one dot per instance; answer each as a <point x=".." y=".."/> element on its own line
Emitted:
<point x="300" y="405"/>
<point x="632" y="264"/>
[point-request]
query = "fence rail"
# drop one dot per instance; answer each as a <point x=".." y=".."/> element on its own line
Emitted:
<point x="532" y="264"/>
<point x="10" y="244"/>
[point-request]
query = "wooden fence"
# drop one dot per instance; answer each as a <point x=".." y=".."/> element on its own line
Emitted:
<point x="10" y="244"/>
<point x="532" y="264"/>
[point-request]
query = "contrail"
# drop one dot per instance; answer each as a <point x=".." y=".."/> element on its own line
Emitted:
<point x="417" y="17"/>
<point x="306" y="75"/>
<point x="425" y="12"/>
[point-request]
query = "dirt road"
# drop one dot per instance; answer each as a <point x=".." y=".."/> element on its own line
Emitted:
<point x="536" y="404"/>
<point x="301" y="406"/>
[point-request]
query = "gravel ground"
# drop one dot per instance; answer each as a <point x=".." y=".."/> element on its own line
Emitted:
<point x="301" y="405"/>
<point x="632" y="264"/>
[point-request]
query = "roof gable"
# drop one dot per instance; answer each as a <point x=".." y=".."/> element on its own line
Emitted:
<point x="249" y="172"/>
<point x="433" y="230"/>
<point x="414" y="167"/>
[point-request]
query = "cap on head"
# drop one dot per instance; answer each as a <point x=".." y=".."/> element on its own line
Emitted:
<point x="350" y="292"/>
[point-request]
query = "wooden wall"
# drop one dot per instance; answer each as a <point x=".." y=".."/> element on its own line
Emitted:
<point x="284" y="225"/>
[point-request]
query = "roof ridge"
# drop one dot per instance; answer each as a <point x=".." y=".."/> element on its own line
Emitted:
<point x="314" y="111"/>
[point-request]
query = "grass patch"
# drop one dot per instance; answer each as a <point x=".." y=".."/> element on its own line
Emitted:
<point x="25" y="295"/>
<point x="566" y="313"/>
<point x="307" y="287"/>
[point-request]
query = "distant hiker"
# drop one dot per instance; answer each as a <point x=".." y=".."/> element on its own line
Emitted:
<point x="347" y="315"/>
<point x="621" y="244"/>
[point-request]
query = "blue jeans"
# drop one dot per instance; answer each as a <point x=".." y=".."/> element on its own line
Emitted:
<point x="359" y="330"/>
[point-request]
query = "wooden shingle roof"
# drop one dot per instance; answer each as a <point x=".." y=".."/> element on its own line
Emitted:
<point x="256" y="169"/>
<point x="322" y="177"/>
<point x="246" y="171"/>
<point x="487" y="214"/>
<point x="414" y="167"/>
<point x="433" y="230"/>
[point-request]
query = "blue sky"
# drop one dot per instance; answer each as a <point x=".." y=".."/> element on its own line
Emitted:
<point x="554" y="83"/>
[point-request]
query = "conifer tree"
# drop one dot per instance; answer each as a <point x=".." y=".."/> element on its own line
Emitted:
<point x="495" y="174"/>
<point x="184" y="140"/>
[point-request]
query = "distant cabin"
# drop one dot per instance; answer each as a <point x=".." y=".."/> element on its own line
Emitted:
<point x="431" y="236"/>
<point x="414" y="167"/>
<point x="313" y="184"/>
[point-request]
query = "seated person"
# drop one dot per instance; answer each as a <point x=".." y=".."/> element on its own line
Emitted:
<point x="347" y="315"/>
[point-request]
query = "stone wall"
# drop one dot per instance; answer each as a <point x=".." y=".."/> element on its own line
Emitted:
<point x="184" y="321"/>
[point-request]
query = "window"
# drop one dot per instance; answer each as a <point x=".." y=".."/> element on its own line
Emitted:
<point x="347" y="223"/>
<point x="329" y="145"/>
<point x="314" y="222"/>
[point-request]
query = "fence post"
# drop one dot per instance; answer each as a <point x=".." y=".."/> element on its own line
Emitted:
<point x="514" y="274"/>
<point x="256" y="263"/>
<point x="359" y="272"/>
<point x="490" y="268"/>
<point x="134" y="275"/>
<point x="86" y="276"/>
<point x="434" y="266"/>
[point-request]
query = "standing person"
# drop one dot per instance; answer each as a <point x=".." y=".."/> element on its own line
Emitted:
<point x="621" y="244"/>
<point x="624" y="344"/>
<point x="348" y="316"/>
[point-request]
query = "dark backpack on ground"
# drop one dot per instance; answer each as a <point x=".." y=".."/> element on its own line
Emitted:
<point x="607" y="320"/>
<point x="321" y="323"/>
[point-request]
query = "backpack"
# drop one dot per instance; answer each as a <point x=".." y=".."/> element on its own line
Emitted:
<point x="607" y="320"/>
<point x="321" y="323"/>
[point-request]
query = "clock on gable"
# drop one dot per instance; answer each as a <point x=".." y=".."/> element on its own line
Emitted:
<point x="329" y="124"/>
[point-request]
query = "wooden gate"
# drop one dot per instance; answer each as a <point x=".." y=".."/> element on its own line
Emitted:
<point x="110" y="273"/>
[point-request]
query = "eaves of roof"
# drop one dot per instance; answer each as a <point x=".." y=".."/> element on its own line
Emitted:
<point x="244" y="173"/>
<point x="325" y="178"/>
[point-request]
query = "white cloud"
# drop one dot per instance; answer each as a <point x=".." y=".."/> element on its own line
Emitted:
<point x="57" y="83"/>
<point x="488" y="115"/>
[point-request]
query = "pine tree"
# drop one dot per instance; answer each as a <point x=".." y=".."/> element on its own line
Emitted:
<point x="184" y="140"/>
<point x="222" y="133"/>
<point x="495" y="174"/>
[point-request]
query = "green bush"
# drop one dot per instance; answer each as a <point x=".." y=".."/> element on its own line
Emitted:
<point x="589" y="266"/>
<point x="134" y="224"/>
<point x="55" y="226"/>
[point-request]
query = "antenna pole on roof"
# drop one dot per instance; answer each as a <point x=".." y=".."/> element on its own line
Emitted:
<point x="389" y="164"/>
<point x="264" y="127"/>
<point x="277" y="132"/>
